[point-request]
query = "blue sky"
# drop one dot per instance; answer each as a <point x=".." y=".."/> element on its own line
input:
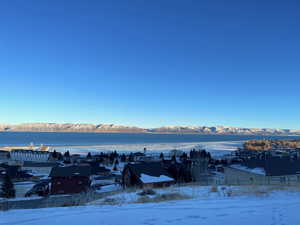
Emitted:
<point x="151" y="63"/>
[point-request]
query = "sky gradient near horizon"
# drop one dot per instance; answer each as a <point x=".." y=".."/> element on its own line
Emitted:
<point x="151" y="63"/>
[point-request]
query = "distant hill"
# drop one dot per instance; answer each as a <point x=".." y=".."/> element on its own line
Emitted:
<point x="112" y="128"/>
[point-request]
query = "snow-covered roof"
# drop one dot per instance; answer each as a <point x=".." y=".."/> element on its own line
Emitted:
<point x="257" y="170"/>
<point x="152" y="179"/>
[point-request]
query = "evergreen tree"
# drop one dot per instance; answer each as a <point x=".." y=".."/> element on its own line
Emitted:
<point x="59" y="156"/>
<point x="115" y="168"/>
<point x="89" y="155"/>
<point x="131" y="157"/>
<point x="116" y="165"/>
<point x="123" y="158"/>
<point x="54" y="154"/>
<point x="67" y="154"/>
<point x="161" y="156"/>
<point x="7" y="188"/>
<point x="173" y="159"/>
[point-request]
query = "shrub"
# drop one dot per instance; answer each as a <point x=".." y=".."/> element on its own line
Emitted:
<point x="147" y="192"/>
<point x="162" y="198"/>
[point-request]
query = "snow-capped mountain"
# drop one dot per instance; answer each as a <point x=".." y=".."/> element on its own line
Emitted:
<point x="70" y="127"/>
<point x="226" y="130"/>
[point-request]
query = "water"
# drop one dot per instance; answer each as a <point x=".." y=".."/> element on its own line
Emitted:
<point x="88" y="139"/>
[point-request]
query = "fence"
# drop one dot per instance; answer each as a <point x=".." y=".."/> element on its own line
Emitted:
<point x="54" y="201"/>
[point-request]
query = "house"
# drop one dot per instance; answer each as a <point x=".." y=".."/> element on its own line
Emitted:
<point x="146" y="175"/>
<point x="273" y="171"/>
<point x="70" y="179"/>
<point x="264" y="167"/>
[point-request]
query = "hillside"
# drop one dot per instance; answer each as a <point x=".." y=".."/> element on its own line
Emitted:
<point x="110" y="128"/>
<point x="246" y="207"/>
<point x="263" y="145"/>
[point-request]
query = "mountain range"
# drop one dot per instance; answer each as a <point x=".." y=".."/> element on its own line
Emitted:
<point x="112" y="128"/>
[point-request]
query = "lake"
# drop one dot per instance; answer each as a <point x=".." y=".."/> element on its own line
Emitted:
<point x="83" y="142"/>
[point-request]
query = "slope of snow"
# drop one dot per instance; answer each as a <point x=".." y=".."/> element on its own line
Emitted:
<point x="277" y="208"/>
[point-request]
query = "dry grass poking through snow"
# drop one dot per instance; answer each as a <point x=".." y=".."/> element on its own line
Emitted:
<point x="192" y="191"/>
<point x="162" y="198"/>
<point x="257" y="190"/>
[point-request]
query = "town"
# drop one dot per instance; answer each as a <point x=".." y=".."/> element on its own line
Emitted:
<point x="38" y="177"/>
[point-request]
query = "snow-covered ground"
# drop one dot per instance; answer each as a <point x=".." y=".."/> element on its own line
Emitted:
<point x="232" y="206"/>
<point x="216" y="148"/>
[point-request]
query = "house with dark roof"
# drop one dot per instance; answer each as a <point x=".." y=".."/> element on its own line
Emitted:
<point x="146" y="175"/>
<point x="271" y="170"/>
<point x="70" y="179"/>
<point x="96" y="169"/>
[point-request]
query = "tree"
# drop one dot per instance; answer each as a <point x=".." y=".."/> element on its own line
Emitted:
<point x="59" y="157"/>
<point x="131" y="157"/>
<point x="7" y="188"/>
<point x="89" y="155"/>
<point x="161" y="156"/>
<point x="67" y="158"/>
<point x="67" y="154"/>
<point x="116" y="165"/>
<point x="54" y="154"/>
<point x="173" y="159"/>
<point x="115" y="168"/>
<point x="123" y="158"/>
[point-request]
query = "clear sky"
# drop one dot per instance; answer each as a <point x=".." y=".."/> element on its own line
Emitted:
<point x="151" y="63"/>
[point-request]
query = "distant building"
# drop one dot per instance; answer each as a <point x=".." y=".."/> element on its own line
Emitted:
<point x="4" y="155"/>
<point x="70" y="179"/>
<point x="29" y="155"/>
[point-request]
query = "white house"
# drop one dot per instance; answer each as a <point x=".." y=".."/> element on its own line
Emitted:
<point x="29" y="155"/>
